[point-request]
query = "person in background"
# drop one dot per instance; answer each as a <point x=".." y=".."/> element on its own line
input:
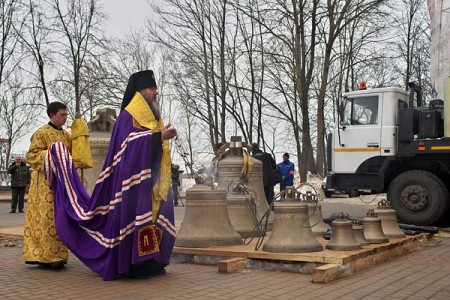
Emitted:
<point x="268" y="164"/>
<point x="20" y="181"/>
<point x="41" y="243"/>
<point x="212" y="170"/>
<point x="286" y="168"/>
<point x="175" y="182"/>
<point x="218" y="149"/>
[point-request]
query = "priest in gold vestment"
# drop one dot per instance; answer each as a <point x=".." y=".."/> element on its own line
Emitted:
<point x="41" y="244"/>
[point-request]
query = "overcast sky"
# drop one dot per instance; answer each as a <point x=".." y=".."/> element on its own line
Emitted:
<point x="124" y="15"/>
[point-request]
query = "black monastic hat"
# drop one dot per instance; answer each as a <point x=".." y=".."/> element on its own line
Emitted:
<point x="138" y="81"/>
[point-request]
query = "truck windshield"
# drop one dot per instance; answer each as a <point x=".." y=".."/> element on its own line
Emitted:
<point x="360" y="111"/>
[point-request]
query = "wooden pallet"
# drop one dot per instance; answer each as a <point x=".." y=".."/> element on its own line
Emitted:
<point x="325" y="266"/>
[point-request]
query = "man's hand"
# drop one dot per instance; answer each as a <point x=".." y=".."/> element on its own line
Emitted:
<point x="168" y="132"/>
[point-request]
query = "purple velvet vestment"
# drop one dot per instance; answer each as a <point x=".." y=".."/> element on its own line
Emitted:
<point x="113" y="228"/>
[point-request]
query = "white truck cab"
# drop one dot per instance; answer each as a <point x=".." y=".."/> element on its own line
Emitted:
<point x="367" y="128"/>
<point x="386" y="141"/>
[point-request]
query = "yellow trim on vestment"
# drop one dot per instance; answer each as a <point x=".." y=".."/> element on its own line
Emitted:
<point x="143" y="115"/>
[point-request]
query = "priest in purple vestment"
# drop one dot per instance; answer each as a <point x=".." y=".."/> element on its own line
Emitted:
<point x="126" y="228"/>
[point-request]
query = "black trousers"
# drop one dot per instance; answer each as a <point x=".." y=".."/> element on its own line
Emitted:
<point x="282" y="188"/>
<point x="18" y="197"/>
<point x="175" y="194"/>
<point x="268" y="191"/>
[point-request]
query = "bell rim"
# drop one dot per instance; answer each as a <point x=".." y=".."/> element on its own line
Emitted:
<point x="292" y="249"/>
<point x="208" y="242"/>
<point x="343" y="248"/>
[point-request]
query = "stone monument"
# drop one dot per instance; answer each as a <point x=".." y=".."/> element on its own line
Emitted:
<point x="100" y="128"/>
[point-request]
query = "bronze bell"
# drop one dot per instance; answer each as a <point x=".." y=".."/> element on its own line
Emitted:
<point x="243" y="215"/>
<point x="206" y="221"/>
<point x="318" y="226"/>
<point x="388" y="219"/>
<point x="291" y="232"/>
<point x="229" y="171"/>
<point x="358" y="232"/>
<point x="342" y="237"/>
<point x="255" y="182"/>
<point x="372" y="229"/>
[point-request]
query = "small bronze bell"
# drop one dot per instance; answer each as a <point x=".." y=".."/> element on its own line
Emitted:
<point x="372" y="229"/>
<point x="342" y="237"/>
<point x="358" y="232"/>
<point x="388" y="219"/>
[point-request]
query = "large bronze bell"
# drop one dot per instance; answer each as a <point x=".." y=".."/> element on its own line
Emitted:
<point x="291" y="232"/>
<point x="342" y="237"/>
<point x="318" y="226"/>
<point x="372" y="229"/>
<point x="243" y="215"/>
<point x="206" y="221"/>
<point x="388" y="219"/>
<point x="229" y="169"/>
<point x="255" y="182"/>
<point x="358" y="232"/>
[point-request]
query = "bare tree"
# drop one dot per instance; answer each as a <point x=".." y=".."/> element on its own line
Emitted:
<point x="237" y="65"/>
<point x="338" y="17"/>
<point x="291" y="28"/>
<point x="19" y="109"/>
<point x="10" y="27"/>
<point x="198" y="34"/>
<point x="245" y="103"/>
<point x="77" y="26"/>
<point x="412" y="26"/>
<point x="127" y="55"/>
<point x="36" y="40"/>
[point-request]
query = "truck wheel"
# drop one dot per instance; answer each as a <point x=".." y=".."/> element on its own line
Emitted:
<point x="419" y="197"/>
<point x="328" y="194"/>
<point x="353" y="193"/>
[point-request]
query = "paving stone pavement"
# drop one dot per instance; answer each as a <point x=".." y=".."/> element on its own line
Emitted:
<point x="424" y="274"/>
